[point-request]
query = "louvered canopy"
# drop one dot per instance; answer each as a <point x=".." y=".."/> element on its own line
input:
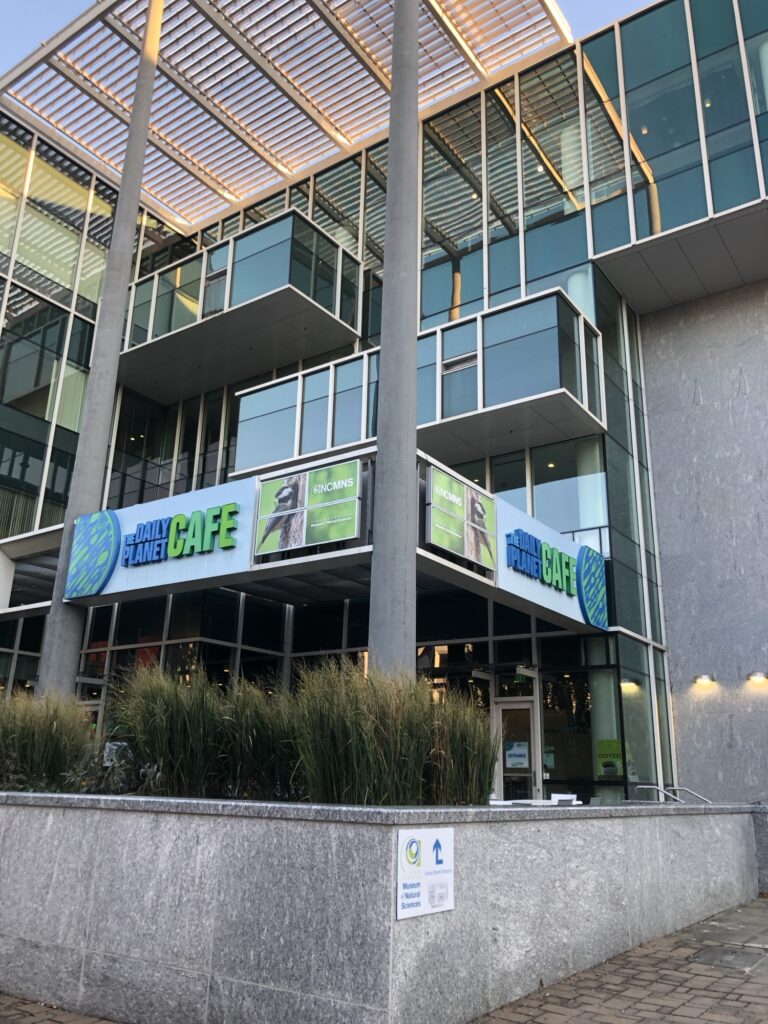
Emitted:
<point x="251" y="94"/>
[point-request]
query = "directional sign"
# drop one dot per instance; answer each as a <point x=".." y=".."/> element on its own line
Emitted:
<point x="424" y="871"/>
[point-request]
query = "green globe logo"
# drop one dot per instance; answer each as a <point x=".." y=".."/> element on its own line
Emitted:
<point x="95" y="550"/>
<point x="590" y="587"/>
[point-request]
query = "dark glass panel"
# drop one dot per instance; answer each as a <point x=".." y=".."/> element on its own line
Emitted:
<point x="569" y="492"/>
<point x="267" y="427"/>
<point x="337" y="201"/>
<point x="448" y="615"/>
<point x="140" y="622"/>
<point x="508" y="479"/>
<point x="348" y="403"/>
<point x="318" y="627"/>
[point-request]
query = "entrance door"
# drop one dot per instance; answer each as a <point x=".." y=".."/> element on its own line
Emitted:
<point x="518" y="776"/>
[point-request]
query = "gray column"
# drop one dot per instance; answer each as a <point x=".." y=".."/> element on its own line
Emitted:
<point x="64" y="626"/>
<point x="392" y="639"/>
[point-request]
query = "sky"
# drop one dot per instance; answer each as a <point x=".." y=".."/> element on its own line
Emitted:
<point x="27" y="23"/>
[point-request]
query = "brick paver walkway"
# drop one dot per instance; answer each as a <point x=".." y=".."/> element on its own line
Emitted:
<point x="714" y="972"/>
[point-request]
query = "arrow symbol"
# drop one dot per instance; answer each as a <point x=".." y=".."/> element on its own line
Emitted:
<point x="436" y="849"/>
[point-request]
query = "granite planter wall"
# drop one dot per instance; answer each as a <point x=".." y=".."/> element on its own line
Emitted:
<point x="147" y="910"/>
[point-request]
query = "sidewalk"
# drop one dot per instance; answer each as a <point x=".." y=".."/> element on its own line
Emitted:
<point x="714" y="972"/>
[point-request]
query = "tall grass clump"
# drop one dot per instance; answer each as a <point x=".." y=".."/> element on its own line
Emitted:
<point x="175" y="731"/>
<point x="382" y="740"/>
<point x="44" y="744"/>
<point x="260" y="757"/>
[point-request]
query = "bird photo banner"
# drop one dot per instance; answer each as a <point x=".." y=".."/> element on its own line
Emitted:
<point x="461" y="519"/>
<point x="319" y="506"/>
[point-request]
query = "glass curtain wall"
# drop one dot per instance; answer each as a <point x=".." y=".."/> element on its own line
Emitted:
<point x="452" y="252"/>
<point x="754" y="22"/>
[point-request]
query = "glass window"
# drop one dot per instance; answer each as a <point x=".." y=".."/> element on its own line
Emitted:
<point x="605" y="147"/>
<point x="211" y="438"/>
<point x="426" y="383"/>
<point x="14" y="154"/>
<point x="348" y="402"/>
<point x="31" y="346"/>
<point x="349" y="276"/>
<point x="636" y="709"/>
<point x="450" y="615"/>
<point x="313" y="264"/>
<point x="187" y="453"/>
<point x="261" y="261"/>
<point x="52" y="224"/>
<point x="474" y="471"/>
<point x="215" y="280"/>
<point x="96" y="247"/>
<point x="263" y="624"/>
<point x="373" y="394"/>
<point x="337" y="202"/>
<point x="569" y="492"/>
<point x="667" y="176"/>
<point x="267" y="426"/>
<point x="318" y="627"/>
<point x="452" y="254"/>
<point x="314" y="412"/>
<point x="59" y="477"/>
<point x="553" y="176"/>
<point x="375" y="206"/>
<point x="298" y="197"/>
<point x="140" y="622"/>
<point x="662" y="704"/>
<point x="609" y="321"/>
<point x="101" y="622"/>
<point x="521" y="352"/>
<point x="209" y="613"/>
<point x="724" y="100"/>
<point x="141" y="468"/>
<point x="592" y="351"/>
<point x="142" y="306"/>
<point x="754" y="21"/>
<point x="178" y="297"/>
<point x="459" y="390"/>
<point x="503" y="213"/>
<point x="265" y="209"/>
<point x="508" y="479"/>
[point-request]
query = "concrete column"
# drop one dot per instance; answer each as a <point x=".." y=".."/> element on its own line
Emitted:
<point x="64" y="626"/>
<point x="392" y="636"/>
<point x="7" y="569"/>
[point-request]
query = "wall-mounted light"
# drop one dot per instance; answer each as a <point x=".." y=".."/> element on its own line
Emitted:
<point x="704" y="680"/>
<point x="757" y="681"/>
<point x="629" y="687"/>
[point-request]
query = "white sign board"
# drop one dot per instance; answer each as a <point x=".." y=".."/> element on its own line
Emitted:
<point x="424" y="871"/>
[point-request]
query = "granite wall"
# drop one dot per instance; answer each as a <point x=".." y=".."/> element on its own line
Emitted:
<point x="706" y="377"/>
<point x="192" y="912"/>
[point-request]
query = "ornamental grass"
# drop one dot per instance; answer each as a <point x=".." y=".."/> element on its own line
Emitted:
<point x="44" y="744"/>
<point x="340" y="737"/>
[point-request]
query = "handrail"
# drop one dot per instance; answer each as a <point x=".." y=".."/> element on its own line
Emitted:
<point x="684" y="789"/>
<point x="666" y="792"/>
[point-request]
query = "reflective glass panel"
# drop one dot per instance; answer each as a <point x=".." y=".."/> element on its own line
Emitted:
<point x="637" y="713"/>
<point x="178" y="297"/>
<point x="459" y="390"/>
<point x="426" y="382"/>
<point x="14" y="155"/>
<point x="348" y="403"/>
<point x="667" y="176"/>
<point x="452" y="253"/>
<point x="313" y="264"/>
<point x="569" y="491"/>
<point x="267" y="427"/>
<point x="337" y="201"/>
<point x="605" y="146"/>
<point x="724" y="101"/>
<point x="97" y="244"/>
<point x="503" y="212"/>
<point x="54" y="214"/>
<point x="508" y="479"/>
<point x="314" y="412"/>
<point x="754" y="21"/>
<point x="553" y="177"/>
<point x="261" y="261"/>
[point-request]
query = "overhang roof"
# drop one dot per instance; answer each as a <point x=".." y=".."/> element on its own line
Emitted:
<point x="251" y="94"/>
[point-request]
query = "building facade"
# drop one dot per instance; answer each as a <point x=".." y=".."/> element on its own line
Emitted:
<point x="594" y="311"/>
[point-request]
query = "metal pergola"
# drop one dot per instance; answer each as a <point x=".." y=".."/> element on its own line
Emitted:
<point x="253" y="94"/>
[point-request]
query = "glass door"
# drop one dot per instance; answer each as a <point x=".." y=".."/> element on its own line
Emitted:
<point x="518" y="775"/>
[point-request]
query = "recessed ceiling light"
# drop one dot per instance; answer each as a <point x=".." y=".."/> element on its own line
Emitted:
<point x="550" y="465"/>
<point x="644" y="130"/>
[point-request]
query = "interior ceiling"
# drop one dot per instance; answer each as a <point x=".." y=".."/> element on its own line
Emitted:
<point x="251" y="94"/>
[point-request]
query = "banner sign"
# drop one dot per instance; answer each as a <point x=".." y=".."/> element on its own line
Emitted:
<point x="550" y="570"/>
<point x="461" y="519"/>
<point x="202" y="535"/>
<point x="319" y="506"/>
